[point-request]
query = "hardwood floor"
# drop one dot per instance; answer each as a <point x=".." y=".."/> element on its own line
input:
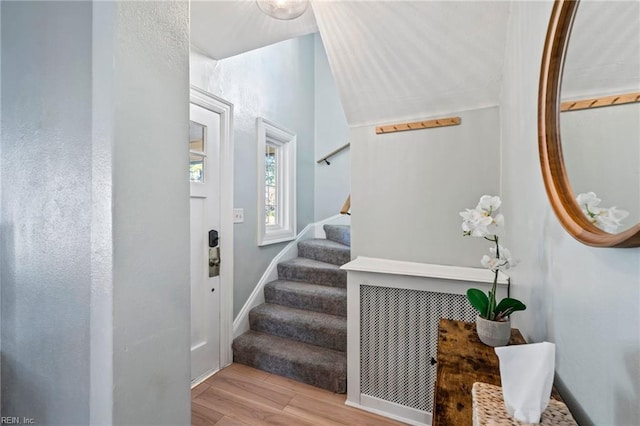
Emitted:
<point x="241" y="395"/>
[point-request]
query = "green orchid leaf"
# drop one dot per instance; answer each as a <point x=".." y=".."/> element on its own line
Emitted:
<point x="508" y="305"/>
<point x="478" y="300"/>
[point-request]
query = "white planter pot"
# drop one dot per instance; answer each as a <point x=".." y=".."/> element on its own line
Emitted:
<point x="493" y="333"/>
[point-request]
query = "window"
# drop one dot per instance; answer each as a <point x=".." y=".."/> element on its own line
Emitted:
<point x="196" y="152"/>
<point x="276" y="183"/>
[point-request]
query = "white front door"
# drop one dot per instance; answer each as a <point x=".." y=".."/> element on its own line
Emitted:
<point x="204" y="175"/>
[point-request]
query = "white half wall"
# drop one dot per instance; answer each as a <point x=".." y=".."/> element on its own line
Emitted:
<point x="408" y="187"/>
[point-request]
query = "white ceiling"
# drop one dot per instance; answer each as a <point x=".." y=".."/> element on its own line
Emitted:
<point x="603" y="55"/>
<point x="392" y="59"/>
<point x="223" y="28"/>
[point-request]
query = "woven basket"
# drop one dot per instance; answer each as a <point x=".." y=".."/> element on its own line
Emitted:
<point x="489" y="409"/>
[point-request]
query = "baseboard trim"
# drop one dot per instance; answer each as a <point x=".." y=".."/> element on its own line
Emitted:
<point x="204" y="377"/>
<point x="392" y="410"/>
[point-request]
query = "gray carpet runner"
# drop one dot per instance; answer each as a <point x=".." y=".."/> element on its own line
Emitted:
<point x="300" y="331"/>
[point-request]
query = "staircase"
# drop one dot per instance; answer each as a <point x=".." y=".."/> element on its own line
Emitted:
<point x="300" y="331"/>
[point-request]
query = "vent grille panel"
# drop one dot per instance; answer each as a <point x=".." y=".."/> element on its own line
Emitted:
<point x="398" y="338"/>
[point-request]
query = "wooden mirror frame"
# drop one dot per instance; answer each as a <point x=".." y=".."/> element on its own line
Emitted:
<point x="554" y="172"/>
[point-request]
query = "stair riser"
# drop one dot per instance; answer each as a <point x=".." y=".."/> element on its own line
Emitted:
<point x="331" y="379"/>
<point x="339" y="234"/>
<point x="327" y="336"/>
<point x="329" y="255"/>
<point x="328" y="277"/>
<point x="328" y="305"/>
<point x="300" y="332"/>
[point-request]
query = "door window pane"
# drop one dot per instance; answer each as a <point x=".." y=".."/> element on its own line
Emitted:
<point x="196" y="148"/>
<point x="196" y="136"/>
<point x="196" y="168"/>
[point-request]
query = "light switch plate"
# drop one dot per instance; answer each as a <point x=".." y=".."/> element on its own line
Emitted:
<point x="238" y="215"/>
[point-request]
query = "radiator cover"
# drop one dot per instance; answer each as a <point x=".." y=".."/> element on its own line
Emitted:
<point x="398" y="340"/>
<point x="393" y="313"/>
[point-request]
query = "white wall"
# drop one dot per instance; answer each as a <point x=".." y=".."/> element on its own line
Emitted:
<point x="0" y="205"/>
<point x="408" y="188"/>
<point x="586" y="300"/>
<point x="331" y="132"/>
<point x="94" y="213"/>
<point x="151" y="304"/>
<point x="46" y="211"/>
<point x="277" y="83"/>
<point x="601" y="152"/>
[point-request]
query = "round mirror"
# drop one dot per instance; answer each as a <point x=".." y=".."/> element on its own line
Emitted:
<point x="589" y="120"/>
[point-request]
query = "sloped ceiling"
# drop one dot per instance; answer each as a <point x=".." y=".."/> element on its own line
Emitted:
<point x="222" y="28"/>
<point x="603" y="55"/>
<point x="394" y="59"/>
<point x="390" y="59"/>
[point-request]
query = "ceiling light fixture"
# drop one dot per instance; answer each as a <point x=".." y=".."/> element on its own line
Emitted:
<point x="283" y="9"/>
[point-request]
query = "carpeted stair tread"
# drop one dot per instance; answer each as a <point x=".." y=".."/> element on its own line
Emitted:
<point x="315" y="328"/>
<point x="325" y="251"/>
<point x="300" y="332"/>
<point x="312" y="271"/>
<point x="321" y="367"/>
<point x="338" y="233"/>
<point x="313" y="297"/>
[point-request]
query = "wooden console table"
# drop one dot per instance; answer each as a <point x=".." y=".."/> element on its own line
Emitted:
<point x="462" y="360"/>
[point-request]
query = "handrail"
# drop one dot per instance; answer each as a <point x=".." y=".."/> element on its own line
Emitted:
<point x="346" y="206"/>
<point x="332" y="153"/>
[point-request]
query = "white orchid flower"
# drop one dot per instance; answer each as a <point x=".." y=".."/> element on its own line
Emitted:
<point x="497" y="225"/>
<point x="588" y="200"/>
<point x="609" y="220"/>
<point x="495" y="263"/>
<point x="484" y="221"/>
<point x="475" y="222"/>
<point x="489" y="203"/>
<point x="490" y="262"/>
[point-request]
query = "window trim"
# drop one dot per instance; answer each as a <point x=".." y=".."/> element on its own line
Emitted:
<point x="285" y="142"/>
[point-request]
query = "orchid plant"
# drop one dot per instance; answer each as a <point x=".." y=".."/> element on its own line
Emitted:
<point x="606" y="219"/>
<point x="485" y="222"/>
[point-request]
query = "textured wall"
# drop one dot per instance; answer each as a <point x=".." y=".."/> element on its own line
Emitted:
<point x="151" y="324"/>
<point x="332" y="131"/>
<point x="46" y="210"/>
<point x="94" y="213"/>
<point x="277" y="83"/>
<point x="408" y="188"/>
<point x="586" y="300"/>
